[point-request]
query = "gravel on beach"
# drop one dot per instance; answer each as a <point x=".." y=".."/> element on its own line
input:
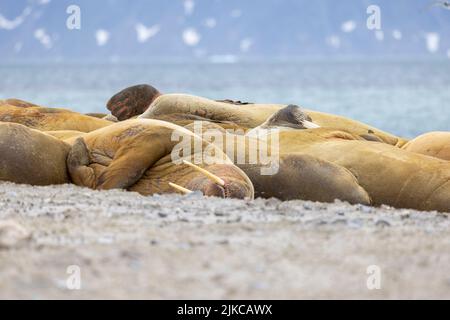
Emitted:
<point x="123" y="245"/>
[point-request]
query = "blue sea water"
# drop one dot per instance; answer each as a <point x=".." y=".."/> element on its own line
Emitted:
<point x="406" y="98"/>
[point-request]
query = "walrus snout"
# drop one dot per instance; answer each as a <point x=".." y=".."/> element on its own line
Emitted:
<point x="231" y="189"/>
<point x="231" y="182"/>
<point x="132" y="101"/>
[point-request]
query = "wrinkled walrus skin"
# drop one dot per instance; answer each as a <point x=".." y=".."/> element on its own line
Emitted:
<point x="433" y="144"/>
<point x="29" y="156"/>
<point x="136" y="155"/>
<point x="50" y="119"/>
<point x="390" y="175"/>
<point x="253" y="115"/>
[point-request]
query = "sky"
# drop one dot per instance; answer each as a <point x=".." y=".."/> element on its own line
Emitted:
<point x="221" y="30"/>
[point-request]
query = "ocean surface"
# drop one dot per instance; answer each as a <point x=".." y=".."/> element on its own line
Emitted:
<point x="406" y="98"/>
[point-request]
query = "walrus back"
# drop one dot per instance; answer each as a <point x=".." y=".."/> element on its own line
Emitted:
<point x="252" y="115"/>
<point x="50" y="119"/>
<point x="28" y="156"/>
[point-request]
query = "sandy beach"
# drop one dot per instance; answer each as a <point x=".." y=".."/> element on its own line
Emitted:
<point x="173" y="247"/>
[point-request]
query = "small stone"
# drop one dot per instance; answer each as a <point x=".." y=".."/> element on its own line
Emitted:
<point x="382" y="223"/>
<point x="220" y="214"/>
<point x="340" y="221"/>
<point x="13" y="235"/>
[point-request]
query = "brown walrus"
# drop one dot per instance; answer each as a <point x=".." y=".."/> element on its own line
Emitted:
<point x="138" y="155"/>
<point x="434" y="144"/>
<point x="50" y="119"/>
<point x="31" y="157"/>
<point x="253" y="115"/>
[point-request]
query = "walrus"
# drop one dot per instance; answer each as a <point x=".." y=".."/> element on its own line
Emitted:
<point x="434" y="144"/>
<point x="182" y="120"/>
<point x="293" y="177"/>
<point x="290" y="118"/>
<point x="50" y="119"/>
<point x="132" y="101"/>
<point x="390" y="175"/>
<point x="387" y="174"/>
<point x="138" y="155"/>
<point x="253" y="115"/>
<point x="31" y="157"/>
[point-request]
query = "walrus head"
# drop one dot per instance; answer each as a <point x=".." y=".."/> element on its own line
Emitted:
<point x="132" y="101"/>
<point x="218" y="180"/>
<point x="291" y="117"/>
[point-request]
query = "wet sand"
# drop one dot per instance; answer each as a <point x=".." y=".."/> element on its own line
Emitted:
<point x="173" y="247"/>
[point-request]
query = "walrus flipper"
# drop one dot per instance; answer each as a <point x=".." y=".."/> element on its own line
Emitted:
<point x="78" y="162"/>
<point x="130" y="163"/>
<point x="304" y="177"/>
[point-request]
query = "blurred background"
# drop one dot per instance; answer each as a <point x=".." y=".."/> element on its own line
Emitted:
<point x="318" y="54"/>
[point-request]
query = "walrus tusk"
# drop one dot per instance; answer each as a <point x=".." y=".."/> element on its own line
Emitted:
<point x="310" y="125"/>
<point x="213" y="177"/>
<point x="180" y="188"/>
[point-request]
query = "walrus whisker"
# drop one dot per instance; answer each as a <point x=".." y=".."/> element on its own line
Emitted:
<point x="211" y="176"/>
<point x="180" y="188"/>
